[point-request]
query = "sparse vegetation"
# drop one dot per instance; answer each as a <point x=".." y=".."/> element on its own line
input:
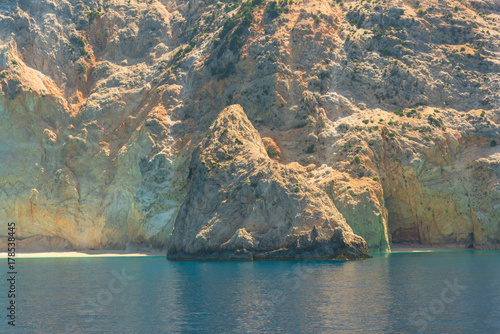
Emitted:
<point x="92" y="15"/>
<point x="411" y="113"/>
<point x="435" y="121"/>
<point x="77" y="41"/>
<point x="378" y="33"/>
<point x="230" y="36"/>
<point x="272" y="154"/>
<point x="385" y="51"/>
<point x="190" y="47"/>
<point x="323" y="75"/>
<point x="399" y="112"/>
<point x="273" y="10"/>
<point x="81" y="69"/>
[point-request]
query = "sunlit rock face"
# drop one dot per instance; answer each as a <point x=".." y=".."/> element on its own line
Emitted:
<point x="385" y="116"/>
<point x="242" y="204"/>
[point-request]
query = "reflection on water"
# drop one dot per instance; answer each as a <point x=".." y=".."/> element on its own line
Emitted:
<point x="439" y="292"/>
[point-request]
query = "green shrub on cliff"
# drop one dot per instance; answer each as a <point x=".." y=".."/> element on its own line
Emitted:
<point x="77" y="40"/>
<point x="386" y="51"/>
<point x="94" y="14"/>
<point x="435" y="121"/>
<point x="273" y="10"/>
<point x="235" y="26"/>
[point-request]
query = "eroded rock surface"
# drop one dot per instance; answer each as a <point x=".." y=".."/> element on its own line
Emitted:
<point x="242" y="204"/>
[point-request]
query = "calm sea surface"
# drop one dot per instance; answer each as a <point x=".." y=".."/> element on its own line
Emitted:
<point x="440" y="292"/>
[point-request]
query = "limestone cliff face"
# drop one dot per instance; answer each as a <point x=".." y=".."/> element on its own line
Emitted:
<point x="385" y="113"/>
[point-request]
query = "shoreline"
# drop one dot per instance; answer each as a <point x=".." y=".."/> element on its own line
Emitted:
<point x="80" y="253"/>
<point x="425" y="249"/>
<point x="121" y="253"/>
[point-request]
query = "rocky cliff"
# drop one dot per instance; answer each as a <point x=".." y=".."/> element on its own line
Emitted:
<point x="242" y="204"/>
<point x="115" y="130"/>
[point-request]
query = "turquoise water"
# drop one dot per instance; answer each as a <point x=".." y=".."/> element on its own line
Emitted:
<point x="441" y="292"/>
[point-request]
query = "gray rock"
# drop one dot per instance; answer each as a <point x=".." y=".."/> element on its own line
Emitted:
<point x="243" y="205"/>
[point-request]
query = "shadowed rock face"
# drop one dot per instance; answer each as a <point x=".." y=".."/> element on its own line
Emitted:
<point x="242" y="204"/>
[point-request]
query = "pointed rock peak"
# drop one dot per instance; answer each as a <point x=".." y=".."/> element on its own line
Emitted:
<point x="232" y="126"/>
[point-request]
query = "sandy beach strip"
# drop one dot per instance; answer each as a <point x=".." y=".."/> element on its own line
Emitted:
<point x="423" y="249"/>
<point x="79" y="254"/>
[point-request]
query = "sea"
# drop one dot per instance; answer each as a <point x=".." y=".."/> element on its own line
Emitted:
<point x="406" y="292"/>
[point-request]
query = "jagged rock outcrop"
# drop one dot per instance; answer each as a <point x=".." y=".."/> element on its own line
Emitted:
<point x="389" y="108"/>
<point x="242" y="204"/>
